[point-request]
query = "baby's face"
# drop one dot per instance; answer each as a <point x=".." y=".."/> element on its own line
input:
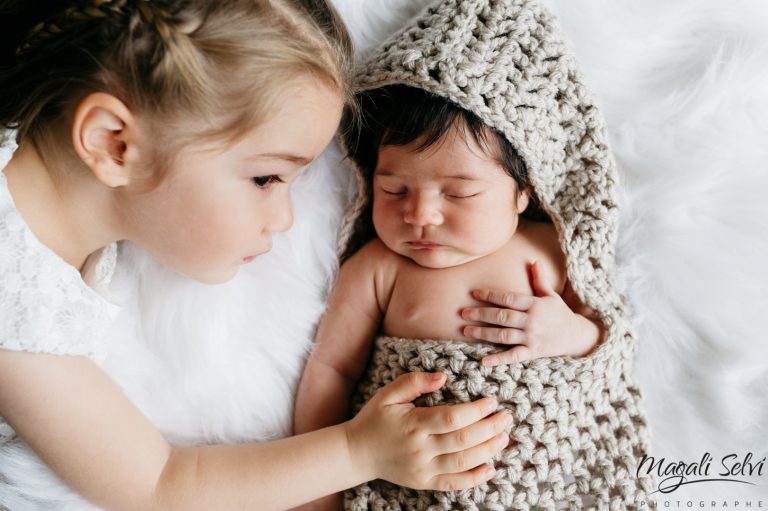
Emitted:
<point x="446" y="205"/>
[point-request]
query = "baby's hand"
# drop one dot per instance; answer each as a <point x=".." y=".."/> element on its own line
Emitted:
<point x="540" y="326"/>
<point x="426" y="448"/>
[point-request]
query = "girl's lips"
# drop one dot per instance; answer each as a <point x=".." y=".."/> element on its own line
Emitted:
<point x="249" y="259"/>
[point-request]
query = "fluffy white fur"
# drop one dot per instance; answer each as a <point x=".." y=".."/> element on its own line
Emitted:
<point x="683" y="87"/>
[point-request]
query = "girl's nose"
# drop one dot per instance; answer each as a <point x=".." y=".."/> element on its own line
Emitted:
<point x="421" y="210"/>
<point x="281" y="214"/>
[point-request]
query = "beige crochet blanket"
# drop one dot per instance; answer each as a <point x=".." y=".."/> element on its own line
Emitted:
<point x="576" y="440"/>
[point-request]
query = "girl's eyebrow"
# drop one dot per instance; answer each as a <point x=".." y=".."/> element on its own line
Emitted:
<point x="293" y="158"/>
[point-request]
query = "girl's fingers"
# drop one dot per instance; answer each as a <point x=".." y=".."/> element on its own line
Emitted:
<point x="496" y="316"/>
<point x="409" y="386"/>
<point x="463" y="480"/>
<point x="474" y="434"/>
<point x="496" y="335"/>
<point x="506" y="299"/>
<point x="438" y="420"/>
<point x="470" y="458"/>
<point x="513" y="356"/>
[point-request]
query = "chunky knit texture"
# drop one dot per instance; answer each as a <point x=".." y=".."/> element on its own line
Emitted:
<point x="579" y="432"/>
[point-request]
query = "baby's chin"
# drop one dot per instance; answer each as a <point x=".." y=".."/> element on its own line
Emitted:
<point x="439" y="258"/>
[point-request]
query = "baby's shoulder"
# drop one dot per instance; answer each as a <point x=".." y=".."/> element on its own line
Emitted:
<point x="376" y="265"/>
<point x="540" y="241"/>
<point x="540" y="235"/>
<point x="374" y="259"/>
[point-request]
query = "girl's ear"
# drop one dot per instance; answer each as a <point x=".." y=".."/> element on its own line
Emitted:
<point x="104" y="137"/>
<point x="523" y="198"/>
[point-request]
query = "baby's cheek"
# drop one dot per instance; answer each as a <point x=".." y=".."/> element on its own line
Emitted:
<point x="384" y="218"/>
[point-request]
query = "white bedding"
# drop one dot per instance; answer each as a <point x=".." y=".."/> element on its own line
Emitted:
<point x="684" y="88"/>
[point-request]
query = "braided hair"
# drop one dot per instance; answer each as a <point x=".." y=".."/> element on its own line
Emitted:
<point x="194" y="69"/>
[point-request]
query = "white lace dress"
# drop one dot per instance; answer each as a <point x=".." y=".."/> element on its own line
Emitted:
<point x="45" y="305"/>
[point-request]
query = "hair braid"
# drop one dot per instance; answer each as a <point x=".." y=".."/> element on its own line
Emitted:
<point x="165" y="60"/>
<point x="159" y="15"/>
<point x="60" y="23"/>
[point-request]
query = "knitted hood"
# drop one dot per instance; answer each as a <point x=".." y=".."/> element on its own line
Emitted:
<point x="507" y="62"/>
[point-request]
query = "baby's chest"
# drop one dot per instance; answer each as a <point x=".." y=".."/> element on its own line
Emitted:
<point x="426" y="303"/>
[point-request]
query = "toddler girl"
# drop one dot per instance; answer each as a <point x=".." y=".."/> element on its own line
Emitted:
<point x="178" y="125"/>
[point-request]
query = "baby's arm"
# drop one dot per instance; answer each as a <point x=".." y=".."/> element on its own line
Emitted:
<point x="72" y="415"/>
<point x="546" y="324"/>
<point x="342" y="347"/>
<point x="343" y="340"/>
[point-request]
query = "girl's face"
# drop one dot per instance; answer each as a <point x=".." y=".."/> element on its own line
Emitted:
<point x="217" y="207"/>
<point x="446" y="205"/>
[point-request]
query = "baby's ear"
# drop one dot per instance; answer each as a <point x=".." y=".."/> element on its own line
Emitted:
<point x="103" y="136"/>
<point x="523" y="198"/>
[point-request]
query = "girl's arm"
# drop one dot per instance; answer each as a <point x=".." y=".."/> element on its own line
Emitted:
<point x="81" y="425"/>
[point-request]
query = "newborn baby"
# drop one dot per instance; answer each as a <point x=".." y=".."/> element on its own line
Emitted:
<point x="454" y="257"/>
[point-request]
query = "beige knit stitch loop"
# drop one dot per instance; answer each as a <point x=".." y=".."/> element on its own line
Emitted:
<point x="580" y="431"/>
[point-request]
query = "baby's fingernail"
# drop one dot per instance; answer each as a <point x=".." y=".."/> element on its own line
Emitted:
<point x="508" y="420"/>
<point x="489" y="471"/>
<point x="435" y="376"/>
<point x="491" y="404"/>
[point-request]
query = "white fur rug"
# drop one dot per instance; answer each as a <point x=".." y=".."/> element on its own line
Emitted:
<point x="684" y="88"/>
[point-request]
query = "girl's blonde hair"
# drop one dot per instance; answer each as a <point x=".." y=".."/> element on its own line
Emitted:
<point x="193" y="69"/>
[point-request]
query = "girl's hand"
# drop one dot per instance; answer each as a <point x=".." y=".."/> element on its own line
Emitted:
<point x="440" y="448"/>
<point x="539" y="326"/>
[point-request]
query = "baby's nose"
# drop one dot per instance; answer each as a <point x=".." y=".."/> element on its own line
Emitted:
<point x="423" y="211"/>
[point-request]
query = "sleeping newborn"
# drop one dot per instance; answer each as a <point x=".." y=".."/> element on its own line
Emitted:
<point x="451" y="247"/>
<point x="474" y="120"/>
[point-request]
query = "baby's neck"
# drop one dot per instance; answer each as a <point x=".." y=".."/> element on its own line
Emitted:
<point x="67" y="214"/>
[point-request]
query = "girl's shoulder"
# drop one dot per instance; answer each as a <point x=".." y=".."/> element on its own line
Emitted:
<point x="45" y="306"/>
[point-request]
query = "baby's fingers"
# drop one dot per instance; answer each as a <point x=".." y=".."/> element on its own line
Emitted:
<point x="474" y="434"/>
<point x="496" y="335"/>
<point x="470" y="458"/>
<point x="513" y="356"/>
<point x="464" y="480"/>
<point x="508" y="299"/>
<point x="438" y="420"/>
<point x="496" y="316"/>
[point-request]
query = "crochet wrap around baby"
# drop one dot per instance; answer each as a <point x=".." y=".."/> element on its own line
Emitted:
<point x="579" y="430"/>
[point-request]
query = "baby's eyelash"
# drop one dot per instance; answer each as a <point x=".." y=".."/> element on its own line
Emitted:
<point x="265" y="182"/>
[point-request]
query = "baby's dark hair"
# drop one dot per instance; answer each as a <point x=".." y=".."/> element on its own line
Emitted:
<point x="400" y="115"/>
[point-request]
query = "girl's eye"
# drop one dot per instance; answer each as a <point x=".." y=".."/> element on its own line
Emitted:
<point x="393" y="192"/>
<point x="266" y="181"/>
